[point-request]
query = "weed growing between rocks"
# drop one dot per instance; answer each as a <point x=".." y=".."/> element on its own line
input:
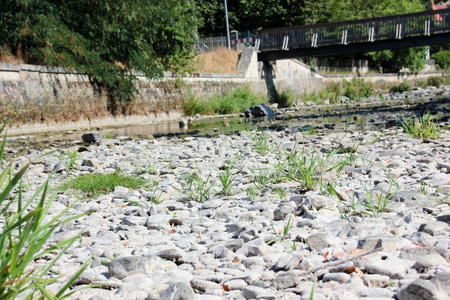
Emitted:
<point x="99" y="184"/>
<point x="227" y="179"/>
<point x="24" y="237"/>
<point x="422" y="127"/>
<point x="261" y="142"/>
<point x="197" y="188"/>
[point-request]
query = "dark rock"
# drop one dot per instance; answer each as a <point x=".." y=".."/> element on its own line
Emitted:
<point x="59" y="168"/>
<point x="91" y="137"/>
<point x="433" y="228"/>
<point x="281" y="212"/>
<point x="418" y="290"/>
<point x="444" y="217"/>
<point x="261" y="110"/>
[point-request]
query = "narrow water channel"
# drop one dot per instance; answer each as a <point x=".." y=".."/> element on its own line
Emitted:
<point x="343" y="118"/>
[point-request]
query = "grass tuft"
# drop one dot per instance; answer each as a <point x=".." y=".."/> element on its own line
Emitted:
<point x="24" y="234"/>
<point x="422" y="128"/>
<point x="98" y="184"/>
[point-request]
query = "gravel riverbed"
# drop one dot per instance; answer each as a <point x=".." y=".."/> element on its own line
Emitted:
<point x="373" y="224"/>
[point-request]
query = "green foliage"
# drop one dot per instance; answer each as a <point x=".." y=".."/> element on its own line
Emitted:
<point x="282" y="235"/>
<point x="435" y="81"/>
<point x="286" y="98"/>
<point x="227" y="179"/>
<point x="72" y="156"/>
<point x="197" y="188"/>
<point x="405" y="86"/>
<point x="98" y="184"/>
<point x="442" y="59"/>
<point x="24" y="239"/>
<point x="232" y="102"/>
<point x="357" y="88"/>
<point x="105" y="39"/>
<point x="261" y="142"/>
<point x="422" y="128"/>
<point x="334" y="90"/>
<point x="193" y="105"/>
<point x="391" y="61"/>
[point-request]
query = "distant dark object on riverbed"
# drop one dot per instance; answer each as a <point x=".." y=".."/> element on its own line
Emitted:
<point x="91" y="137"/>
<point x="261" y="110"/>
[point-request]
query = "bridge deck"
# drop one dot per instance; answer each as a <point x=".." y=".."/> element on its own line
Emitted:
<point x="400" y="31"/>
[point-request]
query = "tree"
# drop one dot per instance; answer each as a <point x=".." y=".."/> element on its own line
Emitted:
<point x="106" y="39"/>
<point x="414" y="59"/>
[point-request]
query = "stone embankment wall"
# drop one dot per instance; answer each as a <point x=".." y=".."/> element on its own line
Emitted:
<point x="40" y="95"/>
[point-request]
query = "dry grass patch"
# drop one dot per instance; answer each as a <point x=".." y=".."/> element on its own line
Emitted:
<point x="222" y="61"/>
<point x="7" y="58"/>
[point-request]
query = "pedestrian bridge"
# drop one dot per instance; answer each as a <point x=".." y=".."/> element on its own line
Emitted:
<point x="375" y="34"/>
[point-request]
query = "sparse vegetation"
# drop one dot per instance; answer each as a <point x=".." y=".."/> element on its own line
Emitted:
<point x="422" y="127"/>
<point x="435" y="81"/>
<point x="23" y="239"/>
<point x="233" y="102"/>
<point x="197" y="188"/>
<point x="405" y="86"/>
<point x="286" y="98"/>
<point x="98" y="184"/>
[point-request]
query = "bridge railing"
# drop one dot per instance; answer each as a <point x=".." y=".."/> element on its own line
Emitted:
<point x="357" y="31"/>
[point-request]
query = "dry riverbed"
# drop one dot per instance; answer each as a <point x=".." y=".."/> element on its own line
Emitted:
<point x="333" y="215"/>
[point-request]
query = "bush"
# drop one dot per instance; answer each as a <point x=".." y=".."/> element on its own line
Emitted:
<point x="233" y="102"/>
<point x="442" y="59"/>
<point x="435" y="81"/>
<point x="334" y="90"/>
<point x="400" y="88"/>
<point x="192" y="105"/>
<point x="286" y="98"/>
<point x="24" y="236"/>
<point x="357" y="88"/>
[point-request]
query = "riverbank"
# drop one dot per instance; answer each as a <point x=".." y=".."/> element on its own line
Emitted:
<point x="371" y="222"/>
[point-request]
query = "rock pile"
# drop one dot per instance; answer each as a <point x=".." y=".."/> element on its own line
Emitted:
<point x="375" y="224"/>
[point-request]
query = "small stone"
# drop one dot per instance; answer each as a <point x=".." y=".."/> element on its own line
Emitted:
<point x="178" y="291"/>
<point x="204" y="285"/>
<point x="281" y="212"/>
<point x="93" y="163"/>
<point x="444" y="217"/>
<point x="389" y="267"/>
<point x="428" y="262"/>
<point x="91" y="137"/>
<point x="128" y="265"/>
<point x="59" y="168"/>
<point x="285" y="282"/>
<point x="375" y="280"/>
<point x="339" y="277"/>
<point x="319" y="241"/>
<point x="433" y="228"/>
<point x="170" y="254"/>
<point x="382" y="242"/>
<point x="236" y="284"/>
<point x="120" y="192"/>
<point x="419" y="290"/>
<point x="254" y="292"/>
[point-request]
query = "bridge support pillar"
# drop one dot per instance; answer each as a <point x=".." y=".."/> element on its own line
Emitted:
<point x="269" y="76"/>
